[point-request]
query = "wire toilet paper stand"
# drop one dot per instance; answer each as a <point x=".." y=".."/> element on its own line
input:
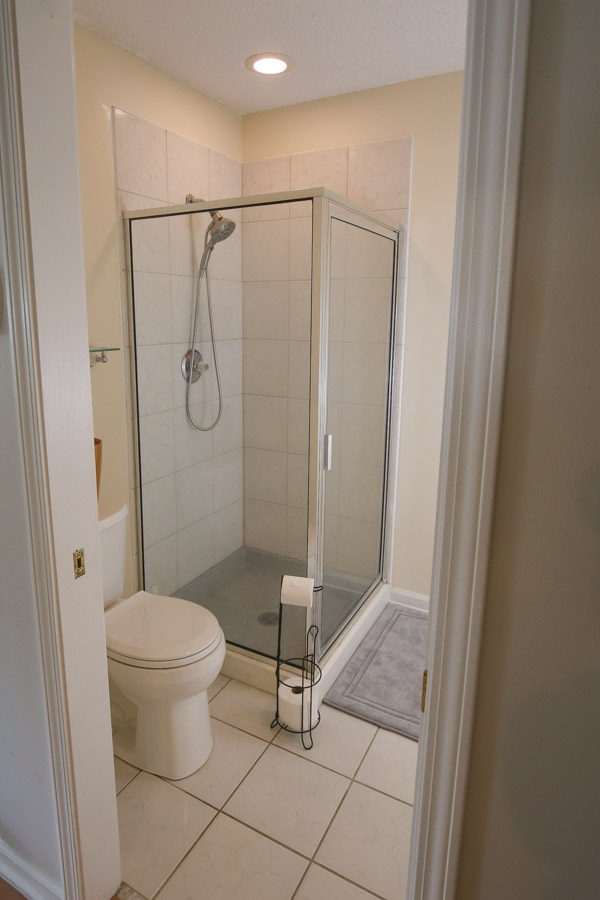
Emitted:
<point x="301" y="685"/>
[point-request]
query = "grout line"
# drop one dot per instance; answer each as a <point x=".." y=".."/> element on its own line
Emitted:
<point x="312" y="859"/>
<point x="349" y="881"/>
<point x="269" y="837"/>
<point x="229" y="796"/>
<point x="251" y="733"/>
<point x="350" y="783"/>
<point x="131" y="780"/>
<point x="220" y="689"/>
<point x="384" y="793"/>
<point x="185" y="856"/>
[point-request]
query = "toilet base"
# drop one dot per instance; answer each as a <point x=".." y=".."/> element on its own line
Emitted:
<point x="167" y="739"/>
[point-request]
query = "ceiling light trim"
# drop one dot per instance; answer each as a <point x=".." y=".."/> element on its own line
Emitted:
<point x="251" y="62"/>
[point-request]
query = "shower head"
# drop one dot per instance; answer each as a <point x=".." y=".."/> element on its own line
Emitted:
<point x="220" y="229"/>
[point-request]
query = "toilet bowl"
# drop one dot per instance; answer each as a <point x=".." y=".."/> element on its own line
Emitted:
<point x="163" y="655"/>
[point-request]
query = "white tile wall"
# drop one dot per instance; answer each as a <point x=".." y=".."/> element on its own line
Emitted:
<point x="153" y="308"/>
<point x="265" y="475"/>
<point x="247" y="480"/>
<point x="141" y="150"/>
<point x="187" y="169"/>
<point x="266" y="422"/>
<point x="266" y="368"/>
<point x="160" y="513"/>
<point x="229" y="529"/>
<point x="377" y="175"/>
<point x="195" y="550"/>
<point x="228" y="472"/>
<point x="266" y="310"/>
<point x="265" y="526"/>
<point x="267" y="176"/>
<point x="266" y="250"/>
<point x="194" y="493"/>
<point x="192" y="481"/>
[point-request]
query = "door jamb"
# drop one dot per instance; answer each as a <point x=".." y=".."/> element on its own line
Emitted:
<point x="492" y="124"/>
<point x="18" y="309"/>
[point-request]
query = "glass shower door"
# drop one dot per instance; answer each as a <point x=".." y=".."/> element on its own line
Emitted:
<point x="359" y="340"/>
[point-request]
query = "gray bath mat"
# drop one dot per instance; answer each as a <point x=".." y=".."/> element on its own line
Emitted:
<point x="383" y="680"/>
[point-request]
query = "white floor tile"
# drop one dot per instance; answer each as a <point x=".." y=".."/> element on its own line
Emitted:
<point x="391" y="765"/>
<point x="246" y="708"/>
<point x="369" y="841"/>
<point x="157" y="826"/>
<point x="288" y="798"/>
<point x="219" y="683"/>
<point x="340" y="741"/>
<point x="319" y="884"/>
<point x="232" y="861"/>
<point x="234" y="753"/>
<point x="123" y="773"/>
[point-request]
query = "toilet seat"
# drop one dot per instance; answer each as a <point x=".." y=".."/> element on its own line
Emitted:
<point x="154" y="632"/>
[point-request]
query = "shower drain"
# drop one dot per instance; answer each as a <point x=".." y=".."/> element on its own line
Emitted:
<point x="268" y="618"/>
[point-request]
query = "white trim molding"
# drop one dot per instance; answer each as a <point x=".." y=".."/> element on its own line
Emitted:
<point x="494" y="93"/>
<point x="42" y="220"/>
<point x="409" y="598"/>
<point x="27" y="878"/>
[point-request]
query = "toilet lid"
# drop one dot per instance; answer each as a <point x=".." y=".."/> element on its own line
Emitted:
<point x="154" y="631"/>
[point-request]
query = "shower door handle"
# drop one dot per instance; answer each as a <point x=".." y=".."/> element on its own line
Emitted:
<point x="328" y="452"/>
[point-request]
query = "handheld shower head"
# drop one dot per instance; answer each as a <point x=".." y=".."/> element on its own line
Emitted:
<point x="220" y="229"/>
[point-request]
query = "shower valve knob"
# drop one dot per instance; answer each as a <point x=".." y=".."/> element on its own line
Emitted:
<point x="195" y="368"/>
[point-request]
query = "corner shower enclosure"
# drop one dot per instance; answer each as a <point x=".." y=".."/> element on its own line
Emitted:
<point x="294" y="477"/>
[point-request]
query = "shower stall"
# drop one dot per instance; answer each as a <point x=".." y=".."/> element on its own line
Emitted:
<point x="294" y="356"/>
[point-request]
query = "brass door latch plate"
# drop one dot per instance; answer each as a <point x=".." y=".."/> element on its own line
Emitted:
<point x="424" y="690"/>
<point x="79" y="563"/>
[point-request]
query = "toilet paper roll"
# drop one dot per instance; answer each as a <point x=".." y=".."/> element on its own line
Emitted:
<point x="290" y="704"/>
<point x="296" y="591"/>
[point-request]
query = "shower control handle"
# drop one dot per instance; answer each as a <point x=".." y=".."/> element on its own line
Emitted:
<point x="198" y="366"/>
<point x="328" y="454"/>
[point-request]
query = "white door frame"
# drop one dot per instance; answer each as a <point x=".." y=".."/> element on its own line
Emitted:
<point x="45" y="305"/>
<point x="495" y="81"/>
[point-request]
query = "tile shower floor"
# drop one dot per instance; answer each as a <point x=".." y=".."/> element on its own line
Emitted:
<point x="264" y="819"/>
<point x="245" y="585"/>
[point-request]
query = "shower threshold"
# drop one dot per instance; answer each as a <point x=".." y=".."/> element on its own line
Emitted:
<point x="243" y="593"/>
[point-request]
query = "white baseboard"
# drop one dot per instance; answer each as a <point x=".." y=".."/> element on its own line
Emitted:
<point x="409" y="598"/>
<point x="27" y="878"/>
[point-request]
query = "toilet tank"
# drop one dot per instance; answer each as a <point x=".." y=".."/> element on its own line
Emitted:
<point x="112" y="554"/>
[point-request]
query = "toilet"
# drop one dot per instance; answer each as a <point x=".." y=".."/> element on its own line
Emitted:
<point x="163" y="655"/>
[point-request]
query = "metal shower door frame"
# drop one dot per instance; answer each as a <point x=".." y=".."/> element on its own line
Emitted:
<point x="328" y="207"/>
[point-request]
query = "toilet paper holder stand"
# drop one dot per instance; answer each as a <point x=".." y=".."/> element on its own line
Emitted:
<point x="310" y="676"/>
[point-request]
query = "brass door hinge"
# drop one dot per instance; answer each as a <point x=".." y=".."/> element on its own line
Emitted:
<point x="424" y="691"/>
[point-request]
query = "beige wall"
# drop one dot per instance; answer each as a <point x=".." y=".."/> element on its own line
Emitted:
<point x="108" y="76"/>
<point x="429" y="111"/>
<point x="532" y="816"/>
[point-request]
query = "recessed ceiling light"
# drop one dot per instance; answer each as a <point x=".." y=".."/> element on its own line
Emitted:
<point x="269" y="63"/>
